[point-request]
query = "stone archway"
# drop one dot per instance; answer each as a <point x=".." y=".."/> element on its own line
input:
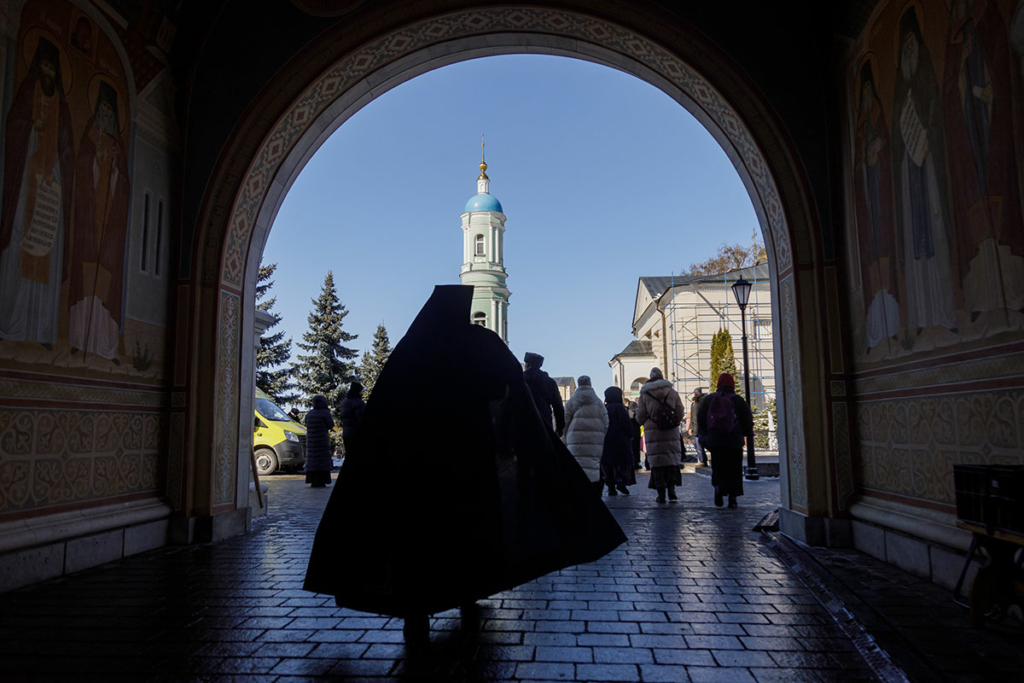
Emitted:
<point x="247" y="192"/>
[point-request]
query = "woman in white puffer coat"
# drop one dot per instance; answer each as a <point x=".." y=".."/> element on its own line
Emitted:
<point x="586" y="421"/>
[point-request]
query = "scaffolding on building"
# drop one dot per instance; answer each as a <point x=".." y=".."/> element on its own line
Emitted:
<point x="696" y="308"/>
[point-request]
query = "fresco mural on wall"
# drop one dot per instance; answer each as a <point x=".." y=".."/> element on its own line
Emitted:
<point x="67" y="198"/>
<point x="936" y="126"/>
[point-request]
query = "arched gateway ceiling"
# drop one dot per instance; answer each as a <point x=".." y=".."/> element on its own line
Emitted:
<point x="265" y="157"/>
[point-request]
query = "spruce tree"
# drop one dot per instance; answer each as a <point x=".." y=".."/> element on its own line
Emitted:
<point x="374" y="359"/>
<point x="328" y="367"/>
<point x="273" y="375"/>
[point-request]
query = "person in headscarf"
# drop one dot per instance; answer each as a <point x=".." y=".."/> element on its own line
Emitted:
<point x="586" y="421"/>
<point x="617" y="452"/>
<point x="515" y="504"/>
<point x="352" y="409"/>
<point x="664" y="445"/>
<point x="319" y="424"/>
<point x="544" y="391"/>
<point x="724" y="419"/>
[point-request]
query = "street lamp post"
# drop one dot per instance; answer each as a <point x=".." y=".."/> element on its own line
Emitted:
<point x="741" y="290"/>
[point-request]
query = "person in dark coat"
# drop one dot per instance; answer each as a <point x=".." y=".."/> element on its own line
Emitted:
<point x="726" y="447"/>
<point x="617" y="458"/>
<point x="319" y="424"/>
<point x="514" y="506"/>
<point x="544" y="391"/>
<point x="636" y="435"/>
<point x="352" y="409"/>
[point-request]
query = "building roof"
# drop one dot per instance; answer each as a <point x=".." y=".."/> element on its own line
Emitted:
<point x="564" y="381"/>
<point x="658" y="285"/>
<point x="483" y="202"/>
<point x="637" y="347"/>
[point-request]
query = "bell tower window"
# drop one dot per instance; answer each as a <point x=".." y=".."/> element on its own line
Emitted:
<point x="479" y="245"/>
<point x="480" y="318"/>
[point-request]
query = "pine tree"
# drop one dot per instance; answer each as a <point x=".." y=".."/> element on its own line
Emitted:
<point x="328" y="367"/>
<point x="272" y="372"/>
<point x="374" y="359"/>
<point x="723" y="359"/>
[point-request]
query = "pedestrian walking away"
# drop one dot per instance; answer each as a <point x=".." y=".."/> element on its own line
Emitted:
<point x="660" y="411"/>
<point x="458" y="499"/>
<point x="637" y="434"/>
<point x="544" y="391"/>
<point x="586" y="421"/>
<point x="617" y="468"/>
<point x="352" y="409"/>
<point x="319" y="424"/>
<point x="693" y="428"/>
<point x="724" y="419"/>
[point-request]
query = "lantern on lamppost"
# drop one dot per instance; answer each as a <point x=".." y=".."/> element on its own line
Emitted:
<point x="741" y="290"/>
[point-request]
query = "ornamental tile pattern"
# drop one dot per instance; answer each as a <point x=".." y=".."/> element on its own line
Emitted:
<point x="796" y="467"/>
<point x="56" y="457"/>
<point x="909" y="445"/>
<point x="844" y="464"/>
<point x="176" y="459"/>
<point x="226" y="427"/>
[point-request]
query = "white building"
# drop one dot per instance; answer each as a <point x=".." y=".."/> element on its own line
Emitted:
<point x="674" y="321"/>
<point x="483" y="256"/>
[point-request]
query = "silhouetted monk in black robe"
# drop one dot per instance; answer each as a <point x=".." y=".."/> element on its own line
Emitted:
<point x="444" y="501"/>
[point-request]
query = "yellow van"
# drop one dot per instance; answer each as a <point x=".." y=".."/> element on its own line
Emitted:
<point x="278" y="441"/>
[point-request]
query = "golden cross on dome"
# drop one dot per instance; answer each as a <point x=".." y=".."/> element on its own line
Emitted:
<point x="483" y="164"/>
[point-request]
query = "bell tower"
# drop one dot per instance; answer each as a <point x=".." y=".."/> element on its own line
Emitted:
<point x="483" y="254"/>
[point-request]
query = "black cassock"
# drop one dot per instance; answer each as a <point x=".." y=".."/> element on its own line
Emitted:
<point x="455" y="489"/>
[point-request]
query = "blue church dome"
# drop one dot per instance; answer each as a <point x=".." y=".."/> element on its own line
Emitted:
<point x="483" y="202"/>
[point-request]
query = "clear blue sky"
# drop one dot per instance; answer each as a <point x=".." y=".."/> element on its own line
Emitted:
<point x="602" y="177"/>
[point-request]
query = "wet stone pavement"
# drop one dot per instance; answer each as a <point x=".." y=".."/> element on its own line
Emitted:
<point x="694" y="595"/>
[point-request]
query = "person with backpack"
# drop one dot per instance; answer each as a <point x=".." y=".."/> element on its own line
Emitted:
<point x="660" y="411"/>
<point x="586" y="421"/>
<point x="723" y="419"/>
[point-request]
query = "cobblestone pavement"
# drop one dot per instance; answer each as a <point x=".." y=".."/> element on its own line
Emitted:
<point x="694" y="595"/>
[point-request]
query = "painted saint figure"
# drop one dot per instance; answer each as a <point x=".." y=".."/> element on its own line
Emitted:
<point x="981" y="106"/>
<point x="919" y="156"/>
<point x="875" y="227"/>
<point x="38" y="180"/>
<point x="101" y="212"/>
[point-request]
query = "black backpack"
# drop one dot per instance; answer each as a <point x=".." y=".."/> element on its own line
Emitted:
<point x="722" y="418"/>
<point x="664" y="416"/>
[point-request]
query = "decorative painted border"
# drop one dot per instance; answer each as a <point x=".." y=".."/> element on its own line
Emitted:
<point x="978" y="370"/>
<point x="67" y="392"/>
<point x="353" y="69"/>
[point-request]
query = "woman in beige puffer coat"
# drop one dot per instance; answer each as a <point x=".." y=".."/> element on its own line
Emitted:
<point x="586" y="421"/>
<point x="664" y="446"/>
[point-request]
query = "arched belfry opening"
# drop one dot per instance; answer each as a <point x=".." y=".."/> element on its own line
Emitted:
<point x="266" y="154"/>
